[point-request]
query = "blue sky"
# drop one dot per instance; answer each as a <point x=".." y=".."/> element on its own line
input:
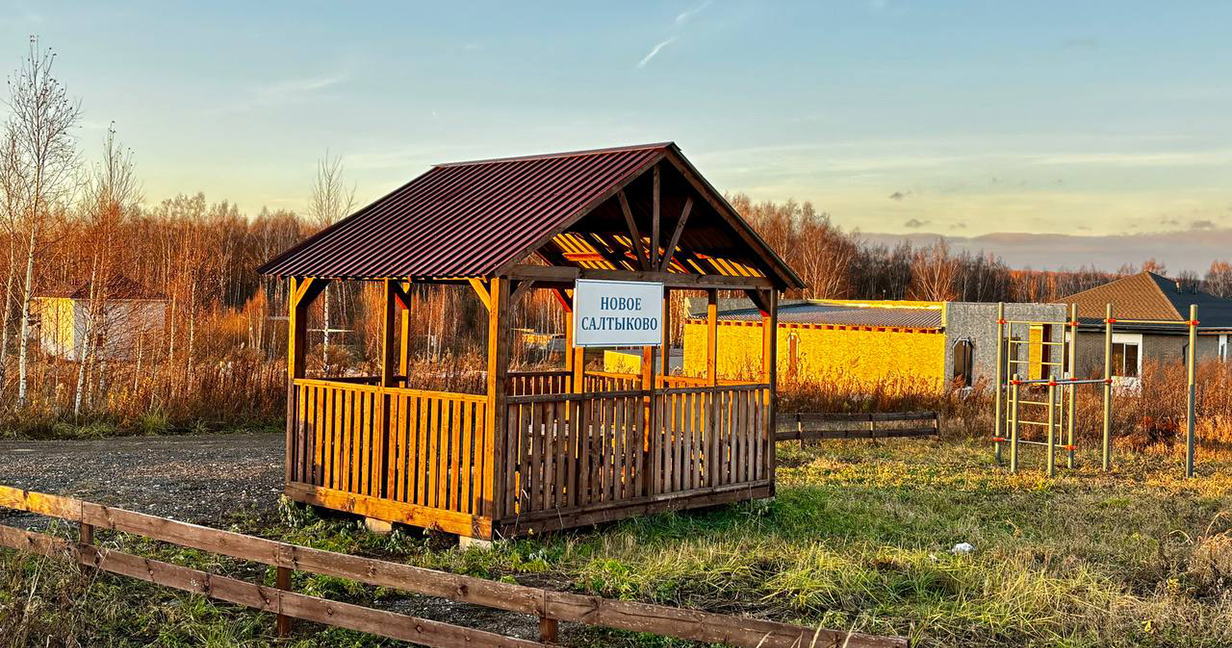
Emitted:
<point x="959" y="118"/>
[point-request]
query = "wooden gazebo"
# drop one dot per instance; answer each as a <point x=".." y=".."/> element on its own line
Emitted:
<point x="547" y="449"/>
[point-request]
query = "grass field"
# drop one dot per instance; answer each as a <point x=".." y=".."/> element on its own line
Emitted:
<point x="858" y="537"/>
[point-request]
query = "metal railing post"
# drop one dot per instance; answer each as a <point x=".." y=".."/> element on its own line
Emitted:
<point x="1192" y="371"/>
<point x="1052" y="428"/>
<point x="1014" y="424"/>
<point x="998" y="386"/>
<point x="1072" y="374"/>
<point x="1107" y="446"/>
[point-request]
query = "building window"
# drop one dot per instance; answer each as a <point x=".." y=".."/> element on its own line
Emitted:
<point x="1125" y="359"/>
<point x="963" y="352"/>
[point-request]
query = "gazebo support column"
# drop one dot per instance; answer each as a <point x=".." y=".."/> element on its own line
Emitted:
<point x="492" y="502"/>
<point x="301" y="295"/>
<point x="712" y="337"/>
<point x="769" y="356"/>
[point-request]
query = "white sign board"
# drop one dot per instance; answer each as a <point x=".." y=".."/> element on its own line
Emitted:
<point x="617" y="313"/>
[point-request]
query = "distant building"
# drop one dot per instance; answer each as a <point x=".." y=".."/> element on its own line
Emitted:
<point x="902" y="345"/>
<point x="132" y="314"/>
<point x="1148" y="296"/>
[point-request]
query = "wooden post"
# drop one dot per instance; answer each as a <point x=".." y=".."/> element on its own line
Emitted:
<point x="547" y="630"/>
<point x="1107" y="446"/>
<point x="300" y="296"/>
<point x="654" y="219"/>
<point x="85" y="536"/>
<point x="389" y="350"/>
<point x="495" y="429"/>
<point x="404" y="351"/>
<point x="770" y="336"/>
<point x="389" y="361"/>
<point x="283" y="582"/>
<point x="712" y="336"/>
<point x="1192" y="373"/>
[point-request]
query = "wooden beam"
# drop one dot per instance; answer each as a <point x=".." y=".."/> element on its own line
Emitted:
<point x="712" y="336"/>
<point x="769" y="360"/>
<point x="498" y="391"/>
<point x="567" y="275"/>
<point x="481" y="290"/>
<point x="633" y="233"/>
<point x="759" y="300"/>
<point x="669" y="252"/>
<point x="523" y="286"/>
<point x="389" y="350"/>
<point x="728" y="213"/>
<point x="656" y="201"/>
<point x="404" y="346"/>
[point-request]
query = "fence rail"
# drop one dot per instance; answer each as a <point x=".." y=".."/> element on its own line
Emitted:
<point x="549" y="606"/>
<point x="804" y="426"/>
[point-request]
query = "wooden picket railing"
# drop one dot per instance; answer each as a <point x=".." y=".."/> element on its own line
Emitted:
<point x="410" y="446"/>
<point x="572" y="452"/>
<point x="863" y="425"/>
<point x="551" y="607"/>
<point x="526" y="383"/>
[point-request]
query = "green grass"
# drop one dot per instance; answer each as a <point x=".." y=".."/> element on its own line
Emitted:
<point x="858" y="537"/>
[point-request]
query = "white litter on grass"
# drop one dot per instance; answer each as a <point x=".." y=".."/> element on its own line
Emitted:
<point x="962" y="548"/>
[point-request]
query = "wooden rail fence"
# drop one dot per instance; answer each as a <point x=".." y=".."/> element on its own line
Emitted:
<point x="869" y="425"/>
<point x="549" y="606"/>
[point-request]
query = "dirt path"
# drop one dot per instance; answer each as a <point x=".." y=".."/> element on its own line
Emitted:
<point x="198" y="478"/>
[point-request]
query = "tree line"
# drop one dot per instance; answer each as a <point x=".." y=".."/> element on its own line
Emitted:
<point x="68" y="226"/>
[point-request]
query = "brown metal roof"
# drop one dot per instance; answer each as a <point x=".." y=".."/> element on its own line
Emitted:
<point x="1149" y="296"/>
<point x="475" y="219"/>
<point x="117" y="287"/>
<point x="806" y="312"/>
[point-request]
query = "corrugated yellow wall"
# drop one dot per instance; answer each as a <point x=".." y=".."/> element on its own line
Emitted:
<point x="912" y="360"/>
<point x="57" y="325"/>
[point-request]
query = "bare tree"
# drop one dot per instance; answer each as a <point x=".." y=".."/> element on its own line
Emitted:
<point x="42" y="122"/>
<point x="11" y="194"/>
<point x="933" y="272"/>
<point x="331" y="201"/>
<point x="111" y="194"/>
<point x="1218" y="280"/>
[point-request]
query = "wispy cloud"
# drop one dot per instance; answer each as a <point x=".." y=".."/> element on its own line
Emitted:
<point x="654" y="51"/>
<point x="281" y="92"/>
<point x="294" y="88"/>
<point x="688" y="14"/>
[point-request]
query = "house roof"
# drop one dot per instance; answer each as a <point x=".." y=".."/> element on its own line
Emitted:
<point x="478" y="219"/>
<point x="829" y="313"/>
<point x="117" y="287"/>
<point x="1149" y="296"/>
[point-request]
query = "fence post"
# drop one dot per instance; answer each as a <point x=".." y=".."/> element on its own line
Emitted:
<point x="283" y="582"/>
<point x="547" y="630"/>
<point x="85" y="536"/>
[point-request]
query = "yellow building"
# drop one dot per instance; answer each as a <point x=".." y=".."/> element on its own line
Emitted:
<point x="901" y="345"/>
<point x="898" y="345"/>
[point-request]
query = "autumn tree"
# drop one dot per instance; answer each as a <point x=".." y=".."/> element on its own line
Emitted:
<point x="41" y="124"/>
<point x="933" y="271"/>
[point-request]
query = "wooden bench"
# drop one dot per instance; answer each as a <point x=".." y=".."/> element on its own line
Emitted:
<point x="803" y="426"/>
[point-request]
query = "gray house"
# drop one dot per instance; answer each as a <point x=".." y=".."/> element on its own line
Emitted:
<point x="1148" y="296"/>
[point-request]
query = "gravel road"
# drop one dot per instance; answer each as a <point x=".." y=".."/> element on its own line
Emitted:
<point x="197" y="478"/>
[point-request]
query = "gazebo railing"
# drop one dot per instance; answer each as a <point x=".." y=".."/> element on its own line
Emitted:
<point x="416" y="447"/>
<point x="577" y="452"/>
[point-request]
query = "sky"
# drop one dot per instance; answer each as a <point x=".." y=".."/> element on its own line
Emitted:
<point x="1054" y="133"/>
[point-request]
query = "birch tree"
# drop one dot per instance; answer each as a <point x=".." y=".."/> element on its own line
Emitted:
<point x="42" y="121"/>
<point x="112" y="193"/>
<point x="331" y="201"/>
